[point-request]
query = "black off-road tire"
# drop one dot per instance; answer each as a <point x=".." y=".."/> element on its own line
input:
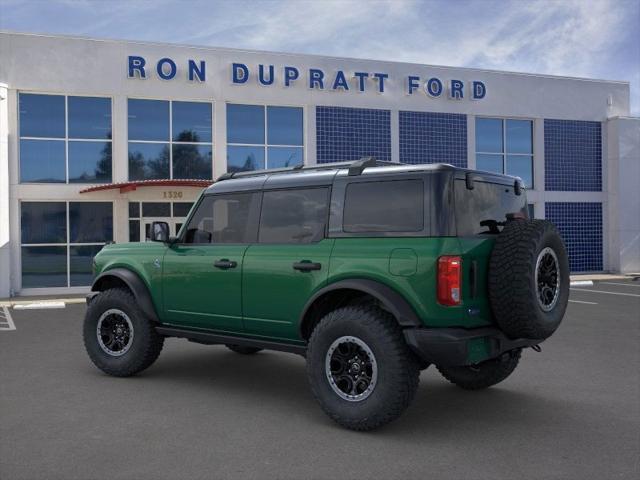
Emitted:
<point x="483" y="375"/>
<point x="397" y="368"/>
<point x="241" y="349"/>
<point x="145" y="346"/>
<point x="513" y="291"/>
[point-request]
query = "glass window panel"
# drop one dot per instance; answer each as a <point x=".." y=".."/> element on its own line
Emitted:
<point x="89" y="117"/>
<point x="489" y="163"/>
<point x="41" y="115"/>
<point x="134" y="210"/>
<point x="192" y="161"/>
<point x="294" y="216"/>
<point x="181" y="209"/>
<point x="156" y="209"/>
<point x="42" y="161"/>
<point x="242" y="159"/>
<point x="43" y="222"/>
<point x="80" y="264"/>
<point x="89" y="162"/>
<point x="279" y="157"/>
<point x="148" y="161"/>
<point x="489" y="135"/>
<point x="134" y="230"/>
<point x="245" y="124"/>
<point x="148" y="120"/>
<point x="191" y="122"/>
<point x="90" y="222"/>
<point x="390" y="206"/>
<point x="284" y="125"/>
<point x="531" y="210"/>
<point x="44" y="267"/>
<point x="519" y="136"/>
<point x="521" y="166"/>
<point x="225" y="219"/>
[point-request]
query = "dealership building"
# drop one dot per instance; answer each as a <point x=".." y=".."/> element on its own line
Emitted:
<point x="98" y="138"/>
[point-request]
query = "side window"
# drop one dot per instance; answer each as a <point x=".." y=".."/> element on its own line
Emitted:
<point x="388" y="206"/>
<point x="294" y="216"/>
<point x="224" y="219"/>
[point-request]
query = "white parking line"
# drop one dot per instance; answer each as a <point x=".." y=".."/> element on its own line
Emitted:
<point x="580" y="301"/>
<point x="6" y="322"/>
<point x="621" y="284"/>
<point x="39" y="305"/>
<point x="609" y="293"/>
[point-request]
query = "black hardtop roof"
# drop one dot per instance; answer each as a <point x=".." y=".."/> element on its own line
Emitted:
<point x="324" y="174"/>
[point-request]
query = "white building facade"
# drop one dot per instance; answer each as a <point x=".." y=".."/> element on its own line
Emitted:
<point x="98" y="138"/>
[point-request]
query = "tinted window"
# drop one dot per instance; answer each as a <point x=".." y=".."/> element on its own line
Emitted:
<point x="519" y="136"/>
<point x="156" y="209"/>
<point x="294" y="216"/>
<point x="391" y="206"/>
<point x="43" y="222"/>
<point x="224" y="219"/>
<point x="42" y="161"/>
<point x="488" y="203"/>
<point x="181" y="209"/>
<point x="134" y="210"/>
<point x="89" y="162"/>
<point x="240" y="159"/>
<point x="89" y="117"/>
<point x="148" y="120"/>
<point x="148" y="161"/>
<point x="285" y="156"/>
<point x="80" y="260"/>
<point x="191" y="122"/>
<point x="90" y="222"/>
<point x="245" y="124"/>
<point x="192" y="161"/>
<point x="41" y="116"/>
<point x="44" y="267"/>
<point x="489" y="135"/>
<point x="284" y="126"/>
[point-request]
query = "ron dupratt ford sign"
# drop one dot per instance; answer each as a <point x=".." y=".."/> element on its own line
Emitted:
<point x="313" y="78"/>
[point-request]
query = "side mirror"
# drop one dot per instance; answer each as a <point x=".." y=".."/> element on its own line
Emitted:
<point x="160" y="232"/>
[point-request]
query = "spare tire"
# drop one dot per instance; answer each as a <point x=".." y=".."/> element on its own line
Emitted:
<point x="529" y="279"/>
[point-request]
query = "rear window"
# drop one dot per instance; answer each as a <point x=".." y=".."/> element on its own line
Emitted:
<point x="483" y="209"/>
<point x="390" y="206"/>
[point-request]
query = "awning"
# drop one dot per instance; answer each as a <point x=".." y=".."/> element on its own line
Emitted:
<point x="132" y="186"/>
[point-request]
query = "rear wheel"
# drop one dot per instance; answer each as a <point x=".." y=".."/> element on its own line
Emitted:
<point x="241" y="349"/>
<point x="360" y="369"/>
<point x="483" y="375"/>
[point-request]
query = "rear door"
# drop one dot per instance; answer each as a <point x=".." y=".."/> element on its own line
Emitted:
<point x="289" y="262"/>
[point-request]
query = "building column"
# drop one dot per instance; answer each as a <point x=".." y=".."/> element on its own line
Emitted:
<point x="5" y="244"/>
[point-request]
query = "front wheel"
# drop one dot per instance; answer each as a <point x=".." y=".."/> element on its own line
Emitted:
<point x="483" y="375"/>
<point x="360" y="369"/>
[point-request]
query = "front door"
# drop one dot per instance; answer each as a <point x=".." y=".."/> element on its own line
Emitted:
<point x="202" y="271"/>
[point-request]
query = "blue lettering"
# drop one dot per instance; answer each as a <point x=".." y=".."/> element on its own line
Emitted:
<point x="316" y="77"/>
<point x="433" y="87"/>
<point x="196" y="72"/>
<point x="479" y="90"/>
<point x="412" y="84"/>
<point x="362" y="77"/>
<point x="290" y="74"/>
<point x="340" y="81"/>
<point x="238" y="77"/>
<point x="261" y="78"/>
<point x="455" y="90"/>
<point x="172" y="68"/>
<point x="136" y="64"/>
<point x="381" y="77"/>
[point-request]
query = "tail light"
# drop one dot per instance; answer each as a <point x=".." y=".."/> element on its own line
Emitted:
<point x="449" y="280"/>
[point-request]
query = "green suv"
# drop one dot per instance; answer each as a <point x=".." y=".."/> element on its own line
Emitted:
<point x="371" y="270"/>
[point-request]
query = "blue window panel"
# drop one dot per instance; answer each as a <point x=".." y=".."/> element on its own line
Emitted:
<point x="89" y="162"/>
<point x="148" y="161"/>
<point x="192" y="161"/>
<point x="80" y="260"/>
<point x="280" y="157"/>
<point x="489" y="135"/>
<point x="521" y="166"/>
<point x="428" y="137"/>
<point x="89" y="117"/>
<point x="148" y="119"/>
<point x="519" y="136"/>
<point x="41" y="115"/>
<point x="42" y="161"/>
<point x="345" y="134"/>
<point x="284" y="126"/>
<point x="580" y="225"/>
<point x="245" y="124"/>
<point x="44" y="267"/>
<point x="489" y="162"/>
<point x="192" y="122"/>
<point x="243" y="159"/>
<point x="90" y="222"/>
<point x="573" y="155"/>
<point x="43" y="222"/>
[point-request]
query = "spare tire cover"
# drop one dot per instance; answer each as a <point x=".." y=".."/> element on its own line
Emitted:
<point x="529" y="279"/>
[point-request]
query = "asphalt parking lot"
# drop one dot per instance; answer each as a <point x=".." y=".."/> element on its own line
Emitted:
<point x="572" y="411"/>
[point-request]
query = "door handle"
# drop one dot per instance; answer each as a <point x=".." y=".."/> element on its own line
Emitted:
<point x="225" y="264"/>
<point x="306" y="266"/>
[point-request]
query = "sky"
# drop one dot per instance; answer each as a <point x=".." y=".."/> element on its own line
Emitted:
<point x="579" y="38"/>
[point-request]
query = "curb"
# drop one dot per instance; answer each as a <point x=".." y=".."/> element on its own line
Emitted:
<point x="581" y="283"/>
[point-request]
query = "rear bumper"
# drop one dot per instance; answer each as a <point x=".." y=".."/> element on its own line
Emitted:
<point x="460" y="346"/>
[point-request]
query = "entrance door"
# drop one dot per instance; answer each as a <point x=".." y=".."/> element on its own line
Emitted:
<point x="202" y="271"/>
